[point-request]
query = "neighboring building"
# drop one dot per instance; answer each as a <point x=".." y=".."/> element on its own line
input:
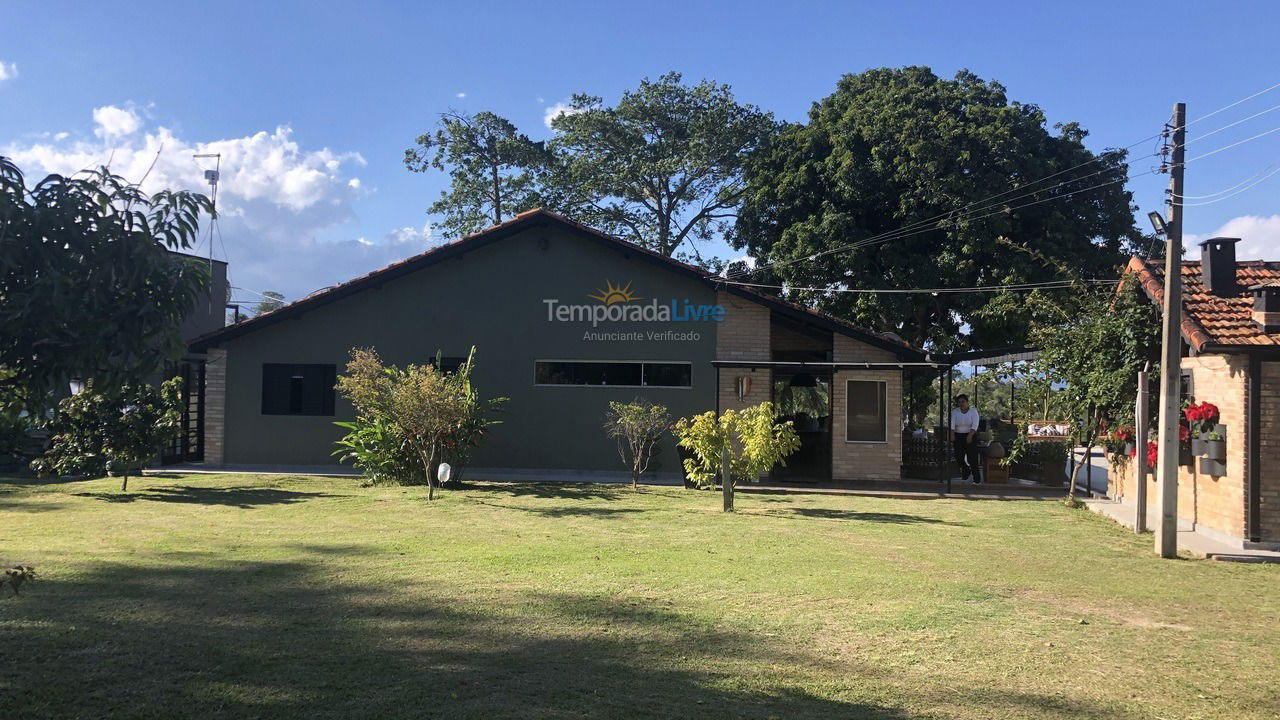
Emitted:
<point x="564" y="319"/>
<point x="1231" y="358"/>
<point x="210" y="314"/>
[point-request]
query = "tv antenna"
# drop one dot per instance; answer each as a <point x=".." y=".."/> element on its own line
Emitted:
<point x="212" y="177"/>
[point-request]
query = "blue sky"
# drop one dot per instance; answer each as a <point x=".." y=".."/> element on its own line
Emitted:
<point x="314" y="104"/>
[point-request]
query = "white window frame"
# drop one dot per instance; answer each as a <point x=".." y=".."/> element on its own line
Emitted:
<point x="885" y="441"/>
<point x="641" y="363"/>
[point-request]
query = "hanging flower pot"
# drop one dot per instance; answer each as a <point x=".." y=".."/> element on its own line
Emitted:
<point x="1199" y="445"/>
<point x="1215" y="446"/>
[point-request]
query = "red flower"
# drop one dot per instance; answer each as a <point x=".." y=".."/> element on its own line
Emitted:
<point x="1153" y="454"/>
<point x="1184" y="433"/>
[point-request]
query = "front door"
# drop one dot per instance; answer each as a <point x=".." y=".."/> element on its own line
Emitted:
<point x="188" y="444"/>
<point x="804" y="398"/>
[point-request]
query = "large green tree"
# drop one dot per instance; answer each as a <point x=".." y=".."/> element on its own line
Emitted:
<point x="903" y="148"/>
<point x="88" y="287"/>
<point x="493" y="170"/>
<point x="662" y="168"/>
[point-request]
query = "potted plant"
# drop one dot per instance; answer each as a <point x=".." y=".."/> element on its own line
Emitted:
<point x="1202" y="418"/>
<point x="1215" y="444"/>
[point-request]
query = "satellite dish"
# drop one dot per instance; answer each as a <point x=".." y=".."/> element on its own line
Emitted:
<point x="444" y="472"/>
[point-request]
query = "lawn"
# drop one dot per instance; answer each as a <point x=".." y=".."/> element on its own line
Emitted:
<point x="247" y="596"/>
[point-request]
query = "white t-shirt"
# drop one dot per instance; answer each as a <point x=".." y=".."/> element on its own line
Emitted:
<point x="964" y="422"/>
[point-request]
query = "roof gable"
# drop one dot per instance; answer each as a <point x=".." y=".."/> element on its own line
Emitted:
<point x="525" y="221"/>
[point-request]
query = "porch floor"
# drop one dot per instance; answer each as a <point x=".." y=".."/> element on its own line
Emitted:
<point x="1015" y="489"/>
<point x="1190" y="539"/>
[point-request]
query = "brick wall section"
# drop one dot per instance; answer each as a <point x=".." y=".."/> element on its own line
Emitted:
<point x="743" y="335"/>
<point x="865" y="461"/>
<point x="215" y="407"/>
<point x="1216" y="503"/>
<point x="744" y="332"/>
<point x="1269" y="453"/>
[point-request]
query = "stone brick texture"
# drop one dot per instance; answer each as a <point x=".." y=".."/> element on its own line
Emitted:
<point x="865" y="461"/>
<point x="1217" y="503"/>
<point x="215" y="407"/>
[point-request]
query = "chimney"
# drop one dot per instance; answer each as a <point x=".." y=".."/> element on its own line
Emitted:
<point x="1266" y="306"/>
<point x="1218" y="266"/>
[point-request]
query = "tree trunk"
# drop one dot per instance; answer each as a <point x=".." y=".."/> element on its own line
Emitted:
<point x="124" y="481"/>
<point x="726" y="480"/>
<point x="426" y="465"/>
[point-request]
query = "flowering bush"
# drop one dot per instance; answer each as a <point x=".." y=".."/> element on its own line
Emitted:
<point x="1201" y="416"/>
<point x="1153" y="453"/>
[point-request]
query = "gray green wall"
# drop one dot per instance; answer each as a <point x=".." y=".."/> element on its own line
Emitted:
<point x="492" y="297"/>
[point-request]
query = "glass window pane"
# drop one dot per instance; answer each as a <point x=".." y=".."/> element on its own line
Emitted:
<point x="668" y="375"/>
<point x="865" y="411"/>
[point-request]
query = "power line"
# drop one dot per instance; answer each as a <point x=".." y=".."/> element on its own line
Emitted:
<point x="905" y="231"/>
<point x="1048" y="285"/>
<point x="1234" y="144"/>
<point x="1244" y="189"/>
<point x="1233" y="187"/>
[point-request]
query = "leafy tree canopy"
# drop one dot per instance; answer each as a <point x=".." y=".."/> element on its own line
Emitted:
<point x="271" y="300"/>
<point x="891" y="148"/>
<point x="88" y="288"/>
<point x="492" y="169"/>
<point x="98" y="432"/>
<point x="663" y="167"/>
<point x="1095" y="352"/>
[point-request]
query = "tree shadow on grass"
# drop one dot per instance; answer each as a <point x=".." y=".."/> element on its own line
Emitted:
<point x="556" y="491"/>
<point x="855" y="516"/>
<point x="244" y="497"/>
<point x="567" y="510"/>
<point x="306" y="640"/>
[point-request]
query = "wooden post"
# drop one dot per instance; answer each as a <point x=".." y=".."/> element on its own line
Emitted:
<point x="1140" y="430"/>
<point x="726" y="481"/>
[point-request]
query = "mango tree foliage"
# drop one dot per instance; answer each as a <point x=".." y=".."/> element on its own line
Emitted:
<point x="662" y="168"/>
<point x="753" y="438"/>
<point x="88" y="288"/>
<point x="492" y="170"/>
<point x="118" y="431"/>
<point x="900" y="148"/>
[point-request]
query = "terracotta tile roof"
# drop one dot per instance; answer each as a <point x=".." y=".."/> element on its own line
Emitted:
<point x="508" y="227"/>
<point x="1208" y="319"/>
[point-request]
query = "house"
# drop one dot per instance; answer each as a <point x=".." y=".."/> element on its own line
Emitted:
<point x="1231" y="358"/>
<point x="564" y="319"/>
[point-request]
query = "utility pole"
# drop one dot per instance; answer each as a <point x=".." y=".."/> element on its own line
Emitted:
<point x="1171" y="339"/>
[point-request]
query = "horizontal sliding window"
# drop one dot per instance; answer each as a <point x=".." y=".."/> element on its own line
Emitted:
<point x="295" y="389"/>
<point x="866" y="413"/>
<point x="615" y="374"/>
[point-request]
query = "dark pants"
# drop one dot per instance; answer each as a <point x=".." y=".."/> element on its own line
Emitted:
<point x="967" y="457"/>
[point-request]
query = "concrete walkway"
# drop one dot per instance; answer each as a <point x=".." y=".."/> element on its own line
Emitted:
<point x="1190" y="540"/>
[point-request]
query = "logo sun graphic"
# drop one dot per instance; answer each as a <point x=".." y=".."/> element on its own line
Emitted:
<point x="611" y="295"/>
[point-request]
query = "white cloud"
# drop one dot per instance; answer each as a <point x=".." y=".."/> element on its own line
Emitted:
<point x="554" y="111"/>
<point x="1259" y="237"/>
<point x="8" y="71"/>
<point x="279" y="203"/>
<point x="460" y="95"/>
<point x="113" y="122"/>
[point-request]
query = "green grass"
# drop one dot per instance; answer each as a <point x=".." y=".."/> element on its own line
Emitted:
<point x="242" y="596"/>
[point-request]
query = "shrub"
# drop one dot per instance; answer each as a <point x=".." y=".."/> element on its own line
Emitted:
<point x="433" y="411"/>
<point x="636" y="427"/>
<point x="95" y="433"/>
<point x="753" y="440"/>
<point x="376" y="448"/>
